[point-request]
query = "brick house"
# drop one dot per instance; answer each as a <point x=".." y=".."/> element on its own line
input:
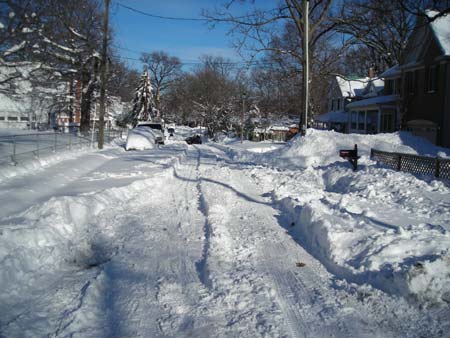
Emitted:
<point x="424" y="82"/>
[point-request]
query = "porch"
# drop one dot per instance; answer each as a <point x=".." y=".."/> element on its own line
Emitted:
<point x="375" y="115"/>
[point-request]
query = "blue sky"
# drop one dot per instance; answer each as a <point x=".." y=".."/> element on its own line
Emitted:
<point x="187" y="40"/>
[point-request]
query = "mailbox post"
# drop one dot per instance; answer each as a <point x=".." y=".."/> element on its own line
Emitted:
<point x="351" y="155"/>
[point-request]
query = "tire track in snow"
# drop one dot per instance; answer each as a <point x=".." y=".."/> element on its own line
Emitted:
<point x="202" y="264"/>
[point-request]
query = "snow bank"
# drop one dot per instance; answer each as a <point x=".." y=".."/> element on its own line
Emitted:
<point x="376" y="226"/>
<point x="141" y="138"/>
<point x="321" y="148"/>
<point x="66" y="233"/>
<point x="33" y="164"/>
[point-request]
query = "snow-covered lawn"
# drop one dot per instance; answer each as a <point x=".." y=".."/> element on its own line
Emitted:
<point x="217" y="240"/>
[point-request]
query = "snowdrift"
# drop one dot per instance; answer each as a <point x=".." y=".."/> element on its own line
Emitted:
<point x="377" y="226"/>
<point x="65" y="233"/>
<point x="141" y="138"/>
<point x="321" y="148"/>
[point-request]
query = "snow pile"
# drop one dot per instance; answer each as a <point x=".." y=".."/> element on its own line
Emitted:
<point x="377" y="226"/>
<point x="32" y="165"/>
<point x="141" y="138"/>
<point x="62" y="233"/>
<point x="321" y="148"/>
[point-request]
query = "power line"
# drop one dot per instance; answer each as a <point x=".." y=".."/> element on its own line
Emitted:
<point x="199" y="62"/>
<point x="160" y="16"/>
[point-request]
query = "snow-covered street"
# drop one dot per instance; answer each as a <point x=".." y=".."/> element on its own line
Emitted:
<point x="181" y="241"/>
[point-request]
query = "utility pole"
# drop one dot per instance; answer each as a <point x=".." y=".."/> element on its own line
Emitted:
<point x="304" y="121"/>
<point x="103" y="77"/>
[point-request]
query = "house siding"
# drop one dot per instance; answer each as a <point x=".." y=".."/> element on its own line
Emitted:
<point x="445" y="130"/>
<point x="423" y="104"/>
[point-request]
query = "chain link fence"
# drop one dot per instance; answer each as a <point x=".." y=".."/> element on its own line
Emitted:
<point x="16" y="149"/>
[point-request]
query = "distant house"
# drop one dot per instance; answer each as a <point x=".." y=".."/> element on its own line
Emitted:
<point x="22" y="107"/>
<point x="342" y="92"/>
<point x="425" y="80"/>
<point x="31" y="106"/>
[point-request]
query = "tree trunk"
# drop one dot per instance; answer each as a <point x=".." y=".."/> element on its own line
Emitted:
<point x="86" y="99"/>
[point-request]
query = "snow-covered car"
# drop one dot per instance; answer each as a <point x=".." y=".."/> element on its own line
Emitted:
<point x="141" y="138"/>
<point x="157" y="128"/>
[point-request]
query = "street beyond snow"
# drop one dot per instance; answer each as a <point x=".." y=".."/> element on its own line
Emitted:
<point x="172" y="242"/>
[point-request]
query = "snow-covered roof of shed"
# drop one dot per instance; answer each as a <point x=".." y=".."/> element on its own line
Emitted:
<point x="373" y="101"/>
<point x="441" y="29"/>
<point x="333" y="116"/>
<point x="279" y="128"/>
<point x="352" y="88"/>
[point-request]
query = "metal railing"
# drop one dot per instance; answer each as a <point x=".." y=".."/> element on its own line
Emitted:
<point x="16" y="149"/>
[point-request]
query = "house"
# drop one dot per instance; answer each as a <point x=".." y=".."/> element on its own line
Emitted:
<point x="21" y="105"/>
<point x="416" y="94"/>
<point x="342" y="92"/>
<point x="31" y="106"/>
<point x="424" y="83"/>
<point x="376" y="112"/>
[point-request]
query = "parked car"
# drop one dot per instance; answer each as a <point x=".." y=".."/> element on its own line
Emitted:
<point x="158" y="128"/>
<point x="194" y="140"/>
<point x="141" y="138"/>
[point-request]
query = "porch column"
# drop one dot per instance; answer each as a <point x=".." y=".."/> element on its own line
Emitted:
<point x="379" y="121"/>
<point x="365" y="121"/>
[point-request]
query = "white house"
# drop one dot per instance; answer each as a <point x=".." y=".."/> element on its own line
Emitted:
<point x="26" y="106"/>
<point x="343" y="91"/>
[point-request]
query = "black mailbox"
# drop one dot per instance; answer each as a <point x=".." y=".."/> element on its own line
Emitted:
<point x="351" y="155"/>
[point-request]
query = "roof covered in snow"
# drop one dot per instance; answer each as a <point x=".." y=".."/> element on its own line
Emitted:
<point x="441" y="30"/>
<point x="373" y="101"/>
<point x="333" y="116"/>
<point x="360" y="86"/>
<point x="352" y="88"/>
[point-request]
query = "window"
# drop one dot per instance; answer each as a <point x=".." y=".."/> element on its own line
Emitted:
<point x="12" y="118"/>
<point x="354" y="119"/>
<point x="361" y="118"/>
<point x="410" y="83"/>
<point x="338" y="104"/>
<point x="2" y="118"/>
<point x="332" y="105"/>
<point x="432" y="79"/>
<point x="398" y="86"/>
<point x="388" y="87"/>
<point x="24" y="118"/>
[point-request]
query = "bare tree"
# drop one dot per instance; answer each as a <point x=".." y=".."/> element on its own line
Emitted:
<point x="420" y="7"/>
<point x="259" y="31"/>
<point x="163" y="71"/>
<point x="383" y="26"/>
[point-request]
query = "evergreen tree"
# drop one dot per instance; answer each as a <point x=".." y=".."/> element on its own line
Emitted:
<point x="143" y="103"/>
